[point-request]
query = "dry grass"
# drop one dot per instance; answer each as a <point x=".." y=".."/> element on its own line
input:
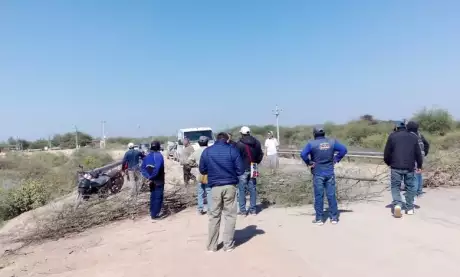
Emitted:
<point x="443" y="169"/>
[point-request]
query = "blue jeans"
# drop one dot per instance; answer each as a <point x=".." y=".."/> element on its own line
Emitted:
<point x="156" y="198"/>
<point x="250" y="185"/>
<point x="201" y="190"/>
<point x="320" y="184"/>
<point x="419" y="183"/>
<point x="398" y="176"/>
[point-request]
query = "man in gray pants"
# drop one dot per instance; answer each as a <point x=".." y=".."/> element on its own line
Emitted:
<point x="131" y="161"/>
<point x="223" y="165"/>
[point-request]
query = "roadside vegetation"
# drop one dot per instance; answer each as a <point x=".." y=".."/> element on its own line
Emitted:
<point x="31" y="181"/>
<point x="368" y="132"/>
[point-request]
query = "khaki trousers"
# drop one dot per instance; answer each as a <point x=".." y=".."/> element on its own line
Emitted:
<point x="223" y="203"/>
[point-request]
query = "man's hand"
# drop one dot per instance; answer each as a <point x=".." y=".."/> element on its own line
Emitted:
<point x="418" y="170"/>
<point x="312" y="165"/>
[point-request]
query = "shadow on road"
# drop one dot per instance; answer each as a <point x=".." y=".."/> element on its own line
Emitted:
<point x="244" y="235"/>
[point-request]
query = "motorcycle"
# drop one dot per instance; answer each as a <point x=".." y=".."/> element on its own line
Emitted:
<point x="94" y="182"/>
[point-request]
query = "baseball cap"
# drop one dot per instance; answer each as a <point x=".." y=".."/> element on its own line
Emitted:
<point x="245" y="130"/>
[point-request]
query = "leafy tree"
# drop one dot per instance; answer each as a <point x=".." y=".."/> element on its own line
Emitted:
<point x="435" y="121"/>
<point x="11" y="141"/>
<point x="67" y="140"/>
<point x="39" y="144"/>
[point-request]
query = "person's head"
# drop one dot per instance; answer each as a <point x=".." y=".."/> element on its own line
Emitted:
<point x="399" y="125"/>
<point x="186" y="141"/>
<point x="130" y="145"/>
<point x="155" y="145"/>
<point x="203" y="141"/>
<point x="222" y="136"/>
<point x="270" y="134"/>
<point x="318" y="131"/>
<point x="412" y="126"/>
<point x="245" y="131"/>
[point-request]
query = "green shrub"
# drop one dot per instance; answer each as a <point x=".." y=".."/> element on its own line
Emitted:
<point x="375" y="141"/>
<point x="39" y="177"/>
<point x="30" y="195"/>
<point x="91" y="158"/>
<point x="435" y="121"/>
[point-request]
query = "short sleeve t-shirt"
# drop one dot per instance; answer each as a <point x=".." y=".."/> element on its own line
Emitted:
<point x="271" y="145"/>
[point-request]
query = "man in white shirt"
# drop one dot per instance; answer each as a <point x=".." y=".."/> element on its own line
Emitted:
<point x="271" y="150"/>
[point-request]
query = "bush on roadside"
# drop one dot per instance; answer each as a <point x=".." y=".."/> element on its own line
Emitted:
<point x="435" y="121"/>
<point x="40" y="177"/>
<point x="30" y="195"/>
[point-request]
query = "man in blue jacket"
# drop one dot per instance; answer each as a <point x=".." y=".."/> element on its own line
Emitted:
<point x="223" y="165"/>
<point x="131" y="162"/>
<point x="319" y="155"/>
<point x="153" y="169"/>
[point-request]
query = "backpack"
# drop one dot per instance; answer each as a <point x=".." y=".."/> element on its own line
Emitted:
<point x="420" y="143"/>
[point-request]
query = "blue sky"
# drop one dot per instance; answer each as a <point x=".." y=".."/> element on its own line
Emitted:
<point x="165" y="65"/>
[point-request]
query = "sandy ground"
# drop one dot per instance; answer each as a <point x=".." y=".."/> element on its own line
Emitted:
<point x="367" y="242"/>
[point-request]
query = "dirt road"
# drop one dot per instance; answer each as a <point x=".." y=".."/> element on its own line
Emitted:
<point x="278" y="242"/>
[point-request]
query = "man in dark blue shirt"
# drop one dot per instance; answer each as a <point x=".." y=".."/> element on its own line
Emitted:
<point x="319" y="154"/>
<point x="223" y="166"/>
<point x="153" y="169"/>
<point x="131" y="162"/>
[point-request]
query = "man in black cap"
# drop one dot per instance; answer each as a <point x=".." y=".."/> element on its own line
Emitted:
<point x="319" y="154"/>
<point x="401" y="153"/>
<point x="153" y="169"/>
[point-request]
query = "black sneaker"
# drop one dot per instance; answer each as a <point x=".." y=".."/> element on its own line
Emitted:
<point x="242" y="213"/>
<point x="253" y="213"/>
<point x="318" y="222"/>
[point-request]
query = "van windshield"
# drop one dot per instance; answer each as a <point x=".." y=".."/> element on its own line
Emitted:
<point x="195" y="135"/>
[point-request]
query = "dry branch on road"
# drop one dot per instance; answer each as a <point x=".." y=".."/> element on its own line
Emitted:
<point x="67" y="220"/>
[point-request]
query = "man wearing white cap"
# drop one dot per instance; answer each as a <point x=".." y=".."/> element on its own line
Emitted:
<point x="131" y="161"/>
<point x="252" y="155"/>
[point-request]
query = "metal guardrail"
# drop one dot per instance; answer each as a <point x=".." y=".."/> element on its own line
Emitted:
<point x="293" y="152"/>
<point x="351" y="154"/>
<point x="108" y="167"/>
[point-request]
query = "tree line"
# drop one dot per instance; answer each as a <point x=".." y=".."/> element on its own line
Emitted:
<point x="366" y="131"/>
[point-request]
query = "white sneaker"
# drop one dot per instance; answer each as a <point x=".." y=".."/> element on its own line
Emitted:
<point x="397" y="211"/>
<point x="411" y="212"/>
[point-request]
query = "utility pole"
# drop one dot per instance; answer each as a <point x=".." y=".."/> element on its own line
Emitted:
<point x="277" y="112"/>
<point x="76" y="137"/>
<point x="103" y="133"/>
<point x="49" y="142"/>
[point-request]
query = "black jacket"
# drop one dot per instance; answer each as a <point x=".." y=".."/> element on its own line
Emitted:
<point x="402" y="151"/>
<point x="255" y="150"/>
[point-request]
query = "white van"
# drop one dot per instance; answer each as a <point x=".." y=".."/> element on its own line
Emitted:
<point x="193" y="134"/>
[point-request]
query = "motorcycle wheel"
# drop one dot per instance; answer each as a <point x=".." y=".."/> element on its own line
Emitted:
<point x="116" y="184"/>
<point x="80" y="198"/>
